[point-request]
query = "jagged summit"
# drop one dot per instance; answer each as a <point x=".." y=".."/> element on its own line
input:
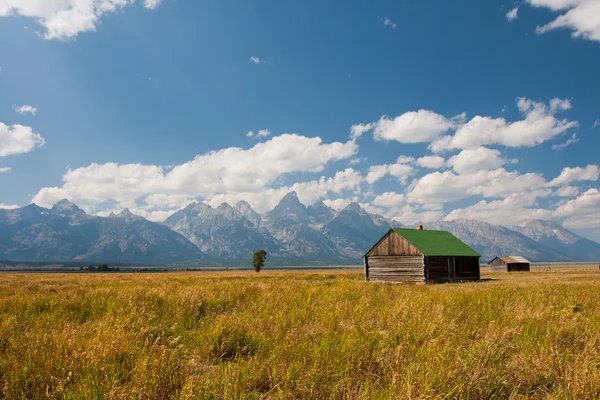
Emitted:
<point x="65" y="208"/>
<point x="126" y="214"/>
<point x="291" y="197"/>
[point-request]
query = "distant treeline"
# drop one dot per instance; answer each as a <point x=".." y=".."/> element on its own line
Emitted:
<point x="99" y="268"/>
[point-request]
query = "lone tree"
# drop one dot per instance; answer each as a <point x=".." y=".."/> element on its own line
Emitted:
<point x="258" y="260"/>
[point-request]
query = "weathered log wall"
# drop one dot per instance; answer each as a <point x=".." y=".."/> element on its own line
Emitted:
<point x="436" y="269"/>
<point x="394" y="268"/>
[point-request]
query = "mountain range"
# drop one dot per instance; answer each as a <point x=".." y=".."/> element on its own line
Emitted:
<point x="291" y="233"/>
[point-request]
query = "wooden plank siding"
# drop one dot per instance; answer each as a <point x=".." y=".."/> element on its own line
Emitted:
<point x="395" y="268"/>
<point x="393" y="244"/>
<point x="436" y="269"/>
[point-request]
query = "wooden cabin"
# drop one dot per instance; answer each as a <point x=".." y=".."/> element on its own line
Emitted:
<point x="418" y="255"/>
<point x="509" y="264"/>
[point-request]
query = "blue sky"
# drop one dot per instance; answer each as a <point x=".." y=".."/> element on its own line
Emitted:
<point x="418" y="110"/>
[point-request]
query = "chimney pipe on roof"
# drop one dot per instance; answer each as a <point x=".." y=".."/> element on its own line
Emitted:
<point x="419" y="227"/>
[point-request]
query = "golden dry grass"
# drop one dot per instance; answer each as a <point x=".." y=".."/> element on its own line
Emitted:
<point x="298" y="335"/>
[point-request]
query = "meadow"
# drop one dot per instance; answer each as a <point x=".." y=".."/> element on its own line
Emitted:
<point x="284" y="335"/>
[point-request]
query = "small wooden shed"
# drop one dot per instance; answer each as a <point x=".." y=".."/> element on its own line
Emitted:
<point x="509" y="264"/>
<point x="417" y="255"/>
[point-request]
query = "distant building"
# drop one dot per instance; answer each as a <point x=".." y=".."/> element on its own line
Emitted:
<point x="509" y="264"/>
<point x="418" y="255"/>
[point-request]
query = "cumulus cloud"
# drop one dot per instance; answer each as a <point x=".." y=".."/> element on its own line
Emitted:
<point x="437" y="188"/>
<point x="567" y="191"/>
<point x="255" y="60"/>
<point x="582" y="212"/>
<point x="227" y="171"/>
<point x="568" y="175"/>
<point x="582" y="17"/>
<point x="512" y="14"/>
<point x="472" y="160"/>
<point x="401" y="171"/>
<point x="421" y="126"/>
<point x="5" y="169"/>
<point x="18" y="139"/>
<point x="65" y="19"/>
<point x="337" y="204"/>
<point x="25" y="109"/>
<point x="409" y="214"/>
<point x="389" y="200"/>
<point x="540" y="124"/>
<point x="596" y="123"/>
<point x="516" y="208"/>
<point x="431" y="162"/>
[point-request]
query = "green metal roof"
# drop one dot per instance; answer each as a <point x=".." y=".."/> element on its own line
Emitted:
<point x="436" y="243"/>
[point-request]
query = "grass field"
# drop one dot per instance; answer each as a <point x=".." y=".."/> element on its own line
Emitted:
<point x="298" y="335"/>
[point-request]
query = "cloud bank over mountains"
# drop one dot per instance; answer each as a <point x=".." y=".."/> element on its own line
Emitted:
<point x="466" y="164"/>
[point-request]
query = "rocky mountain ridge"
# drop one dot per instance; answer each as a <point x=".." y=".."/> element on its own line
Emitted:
<point x="291" y="233"/>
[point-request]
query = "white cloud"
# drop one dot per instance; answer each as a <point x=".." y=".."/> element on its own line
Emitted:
<point x="401" y="171"/>
<point x="255" y="60"/>
<point x="388" y="23"/>
<point x="567" y="191"/>
<point x="356" y="131"/>
<point x="337" y="204"/>
<point x="5" y="169"/>
<point x="432" y="162"/>
<point x="568" y="175"/>
<point x="472" y="160"/>
<point x="596" y="123"/>
<point x="18" y="139"/>
<point x="582" y="212"/>
<point x="25" y="109"/>
<point x="357" y="160"/>
<point x="227" y="171"/>
<point x="539" y="125"/>
<point x="404" y="160"/>
<point x="152" y="4"/>
<point x="573" y="139"/>
<point x="8" y="206"/>
<point x="421" y="126"/>
<point x="580" y="16"/>
<point x="557" y="105"/>
<point x="425" y="126"/>
<point x="437" y="188"/>
<point x="261" y="133"/>
<point x="516" y="208"/>
<point x="409" y="215"/>
<point x="512" y="14"/>
<point x="65" y="19"/>
<point x="389" y="200"/>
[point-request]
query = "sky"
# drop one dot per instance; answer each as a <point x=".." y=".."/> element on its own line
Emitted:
<point x="418" y="110"/>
